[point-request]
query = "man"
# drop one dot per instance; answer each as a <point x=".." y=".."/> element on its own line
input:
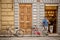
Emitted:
<point x="45" y="24"/>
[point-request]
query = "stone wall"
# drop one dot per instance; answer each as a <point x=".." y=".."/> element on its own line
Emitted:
<point x="38" y="11"/>
<point x="0" y="14"/>
<point x="7" y="15"/>
<point x="58" y="16"/>
<point x="58" y="29"/>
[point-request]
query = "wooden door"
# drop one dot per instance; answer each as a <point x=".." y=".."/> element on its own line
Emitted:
<point x="51" y="14"/>
<point x="25" y="17"/>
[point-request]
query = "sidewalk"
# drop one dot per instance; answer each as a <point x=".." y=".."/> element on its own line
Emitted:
<point x="29" y="38"/>
<point x="50" y="35"/>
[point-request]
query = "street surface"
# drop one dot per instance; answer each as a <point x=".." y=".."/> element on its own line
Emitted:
<point x="29" y="38"/>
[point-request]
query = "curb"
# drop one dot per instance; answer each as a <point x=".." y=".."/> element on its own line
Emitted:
<point x="26" y="36"/>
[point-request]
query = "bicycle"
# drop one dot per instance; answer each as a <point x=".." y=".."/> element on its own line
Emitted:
<point x="17" y="32"/>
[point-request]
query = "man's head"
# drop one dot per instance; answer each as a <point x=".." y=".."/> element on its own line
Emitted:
<point x="35" y="25"/>
<point x="45" y="17"/>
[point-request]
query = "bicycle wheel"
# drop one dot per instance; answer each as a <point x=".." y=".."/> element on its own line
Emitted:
<point x="20" y="33"/>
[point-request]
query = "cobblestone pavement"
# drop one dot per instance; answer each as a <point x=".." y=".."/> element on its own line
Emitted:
<point x="29" y="38"/>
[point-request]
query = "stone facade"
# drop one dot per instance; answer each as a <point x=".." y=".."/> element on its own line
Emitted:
<point x="0" y="14"/>
<point x="37" y="11"/>
<point x="9" y="13"/>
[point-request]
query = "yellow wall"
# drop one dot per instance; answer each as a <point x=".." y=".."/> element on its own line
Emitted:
<point x="0" y="15"/>
<point x="7" y="15"/>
